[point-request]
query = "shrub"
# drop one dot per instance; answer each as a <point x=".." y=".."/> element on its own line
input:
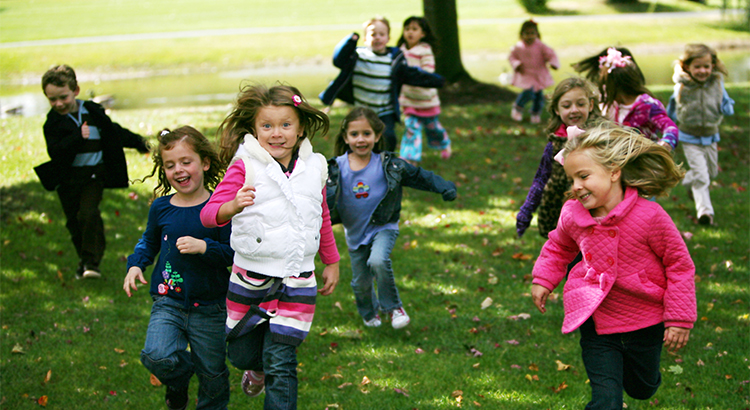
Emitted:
<point x="534" y="6"/>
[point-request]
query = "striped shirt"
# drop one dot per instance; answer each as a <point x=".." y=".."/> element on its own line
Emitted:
<point x="90" y="154"/>
<point x="372" y="81"/>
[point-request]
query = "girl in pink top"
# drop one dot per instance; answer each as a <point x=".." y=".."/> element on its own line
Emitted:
<point x="634" y="290"/>
<point x="274" y="194"/>
<point x="529" y="59"/>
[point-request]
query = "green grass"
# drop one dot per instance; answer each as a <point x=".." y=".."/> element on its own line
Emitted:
<point x="448" y="259"/>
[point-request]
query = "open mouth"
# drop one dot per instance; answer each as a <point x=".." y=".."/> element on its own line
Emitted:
<point x="182" y="180"/>
<point x="584" y="197"/>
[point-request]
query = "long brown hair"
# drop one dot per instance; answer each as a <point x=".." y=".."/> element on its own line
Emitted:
<point x="340" y="147"/>
<point x="251" y="99"/>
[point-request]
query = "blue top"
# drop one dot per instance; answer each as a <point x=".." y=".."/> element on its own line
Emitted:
<point x="189" y="278"/>
<point x="361" y="193"/>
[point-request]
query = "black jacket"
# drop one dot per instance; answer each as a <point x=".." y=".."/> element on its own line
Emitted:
<point x="398" y="173"/>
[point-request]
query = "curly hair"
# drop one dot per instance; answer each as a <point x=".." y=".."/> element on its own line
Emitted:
<point x="340" y="147"/>
<point x="253" y="98"/>
<point x="198" y="143"/>
<point x="645" y="165"/>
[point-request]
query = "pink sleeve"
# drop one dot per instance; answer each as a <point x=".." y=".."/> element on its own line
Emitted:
<point x="226" y="191"/>
<point x="550" y="56"/>
<point x="514" y="59"/>
<point x="328" y="251"/>
<point x="559" y="250"/>
<point x="427" y="60"/>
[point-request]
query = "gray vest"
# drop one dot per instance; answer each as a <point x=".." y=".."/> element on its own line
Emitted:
<point x="699" y="105"/>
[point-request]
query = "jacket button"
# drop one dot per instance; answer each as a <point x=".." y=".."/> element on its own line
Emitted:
<point x="258" y="240"/>
<point x="588" y="257"/>
<point x="591" y="230"/>
<point x="612" y="234"/>
<point x="610" y="261"/>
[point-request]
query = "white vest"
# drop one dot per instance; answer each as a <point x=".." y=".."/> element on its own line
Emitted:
<point x="279" y="235"/>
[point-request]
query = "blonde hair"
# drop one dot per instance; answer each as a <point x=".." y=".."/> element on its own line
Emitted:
<point x="645" y="165"/>
<point x="375" y="19"/>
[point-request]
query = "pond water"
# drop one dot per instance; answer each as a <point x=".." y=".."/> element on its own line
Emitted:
<point x="222" y="87"/>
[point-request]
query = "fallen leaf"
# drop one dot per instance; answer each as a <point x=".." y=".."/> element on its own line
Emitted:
<point x="343" y="385"/>
<point x="112" y="393"/>
<point x="533" y="367"/>
<point x="561" y="366"/>
<point x="676" y="369"/>
<point x="515" y="366"/>
<point x="401" y="391"/>
<point x="418" y="350"/>
<point x="42" y="401"/>
<point x="700" y="363"/>
<point x="522" y="256"/>
<point x="365" y="381"/>
<point x="687" y="235"/>
<point x="155" y="381"/>
<point x="47" y="377"/>
<point x="338" y="305"/>
<point x="18" y="349"/>
<point x="119" y="351"/>
<point x="559" y="388"/>
<point x="487" y="302"/>
<point x="512" y="342"/>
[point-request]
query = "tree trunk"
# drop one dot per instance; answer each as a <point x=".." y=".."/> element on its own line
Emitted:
<point x="460" y="87"/>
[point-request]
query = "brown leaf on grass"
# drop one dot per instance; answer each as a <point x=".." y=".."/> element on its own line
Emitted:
<point x="119" y="351"/>
<point x="458" y="395"/>
<point x="343" y="385"/>
<point x="559" y="388"/>
<point x="522" y="256"/>
<point x="60" y="276"/>
<point x="42" y="401"/>
<point x="365" y="381"/>
<point x="532" y="378"/>
<point x="18" y="349"/>
<point x="561" y="366"/>
<point x="47" y="377"/>
<point x="533" y="367"/>
<point x="338" y="305"/>
<point x="155" y="381"/>
<point x="498" y="251"/>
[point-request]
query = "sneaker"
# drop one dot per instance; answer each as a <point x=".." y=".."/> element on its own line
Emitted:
<point x="536" y="118"/>
<point x="374" y="322"/>
<point x="706" y="219"/>
<point x="176" y="399"/>
<point x="79" y="271"/>
<point x="91" y="272"/>
<point x="253" y="383"/>
<point x="399" y="318"/>
<point x="446" y="153"/>
<point x="516" y="114"/>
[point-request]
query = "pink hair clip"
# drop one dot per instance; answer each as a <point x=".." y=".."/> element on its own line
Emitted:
<point x="560" y="157"/>
<point x="613" y="59"/>
<point x="297" y="100"/>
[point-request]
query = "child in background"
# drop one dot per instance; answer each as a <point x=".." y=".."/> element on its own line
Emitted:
<point x="86" y="151"/>
<point x="364" y="193"/>
<point x="421" y="105"/>
<point x="635" y="288"/>
<point x="574" y="103"/>
<point x="628" y="102"/>
<point x="372" y="76"/>
<point x="589" y="66"/>
<point x="529" y="59"/>
<point x="273" y="192"/>
<point x="189" y="281"/>
<point x="699" y="103"/>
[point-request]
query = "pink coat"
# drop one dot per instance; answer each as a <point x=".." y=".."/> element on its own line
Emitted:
<point x="530" y="65"/>
<point x="636" y="270"/>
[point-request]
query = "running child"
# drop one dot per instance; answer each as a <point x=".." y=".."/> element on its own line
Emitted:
<point x="529" y="59"/>
<point x="273" y="193"/>
<point x="634" y="290"/>
<point x="364" y="193"/>
<point x="627" y="101"/>
<point x="189" y="281"/>
<point x="372" y="76"/>
<point x="698" y="104"/>
<point x="574" y="103"/>
<point x="421" y="105"/>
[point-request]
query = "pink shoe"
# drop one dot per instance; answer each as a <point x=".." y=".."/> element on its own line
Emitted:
<point x="536" y="118"/>
<point x="516" y="114"/>
<point x="253" y="383"/>
<point x="446" y="153"/>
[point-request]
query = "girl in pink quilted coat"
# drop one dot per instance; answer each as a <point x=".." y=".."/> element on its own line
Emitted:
<point x="634" y="289"/>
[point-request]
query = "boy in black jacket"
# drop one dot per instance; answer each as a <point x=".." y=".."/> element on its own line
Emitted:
<point x="86" y="152"/>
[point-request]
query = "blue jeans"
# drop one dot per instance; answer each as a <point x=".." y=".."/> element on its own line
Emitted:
<point x="257" y="351"/>
<point x="372" y="263"/>
<point x="620" y="361"/>
<point x="536" y="98"/>
<point x="390" y="131"/>
<point x="170" y="330"/>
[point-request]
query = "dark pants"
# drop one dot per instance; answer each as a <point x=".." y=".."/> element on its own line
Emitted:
<point x="536" y="98"/>
<point x="258" y="352"/>
<point x="614" y="362"/>
<point x="390" y="131"/>
<point x="80" y="202"/>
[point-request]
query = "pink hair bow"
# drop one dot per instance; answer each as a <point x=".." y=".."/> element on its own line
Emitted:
<point x="613" y="59"/>
<point x="572" y="131"/>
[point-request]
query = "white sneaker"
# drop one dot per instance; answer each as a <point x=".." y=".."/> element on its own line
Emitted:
<point x="374" y="322"/>
<point x="536" y="118"/>
<point x="399" y="318"/>
<point x="516" y="114"/>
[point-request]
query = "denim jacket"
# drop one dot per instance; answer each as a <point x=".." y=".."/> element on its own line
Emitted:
<point x="398" y="173"/>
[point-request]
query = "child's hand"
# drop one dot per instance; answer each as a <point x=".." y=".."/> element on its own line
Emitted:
<point x="330" y="279"/>
<point x="244" y="198"/>
<point x="85" y="130"/>
<point x="133" y="274"/>
<point x="190" y="245"/>
<point x="675" y="338"/>
<point x="355" y="37"/>
<point x="539" y="295"/>
<point x="665" y="144"/>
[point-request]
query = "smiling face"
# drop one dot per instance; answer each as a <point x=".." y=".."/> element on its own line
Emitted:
<point x="700" y="68"/>
<point x="574" y="107"/>
<point x="377" y="37"/>
<point x="278" y="130"/>
<point x="413" y="34"/>
<point x="62" y="99"/>
<point x="596" y="188"/>
<point x="361" y="138"/>
<point x="529" y="35"/>
<point x="184" y="170"/>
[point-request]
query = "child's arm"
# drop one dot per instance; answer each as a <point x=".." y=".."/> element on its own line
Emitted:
<point x="727" y="104"/>
<point x="550" y="56"/>
<point x="559" y="250"/>
<point x="675" y="338"/>
<point x="416" y="76"/>
<point x="329" y="253"/>
<point x="419" y="178"/>
<point x="63" y="139"/>
<point x="515" y="59"/>
<point x="228" y="191"/>
<point x="658" y="117"/>
<point x="128" y="138"/>
<point x="214" y="250"/>
<point x="345" y="50"/>
<point x="523" y="219"/>
<point x="144" y="253"/>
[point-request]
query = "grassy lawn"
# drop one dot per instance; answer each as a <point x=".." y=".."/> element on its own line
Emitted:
<point x="78" y="342"/>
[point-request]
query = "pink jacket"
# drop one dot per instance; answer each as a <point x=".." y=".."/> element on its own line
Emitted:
<point x="530" y="65"/>
<point x="636" y="270"/>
